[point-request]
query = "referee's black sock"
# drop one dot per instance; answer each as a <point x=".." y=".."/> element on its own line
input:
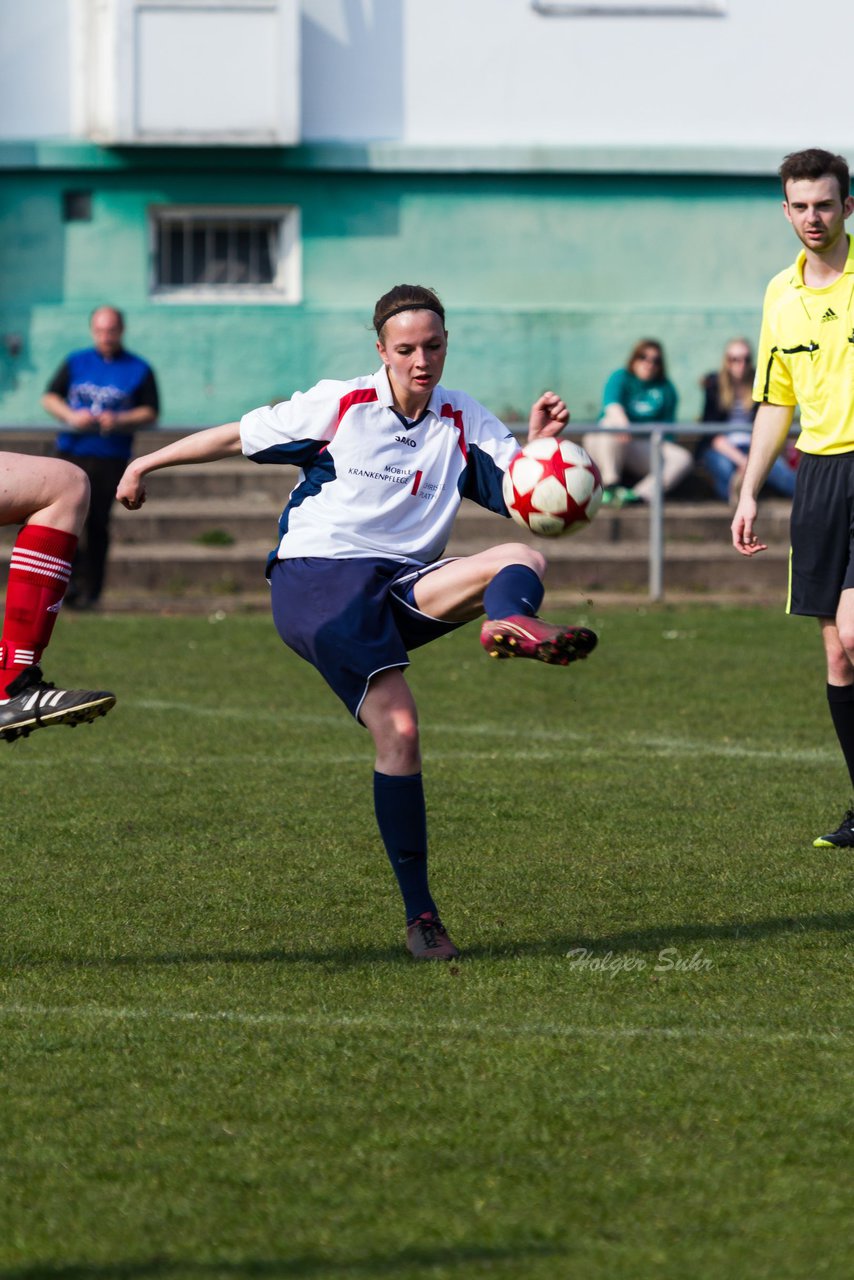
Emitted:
<point x="840" y="699"/>
<point x="402" y="820"/>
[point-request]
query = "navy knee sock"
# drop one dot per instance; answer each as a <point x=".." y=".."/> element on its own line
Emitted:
<point x="840" y="699"/>
<point x="402" y="820"/>
<point x="514" y="589"/>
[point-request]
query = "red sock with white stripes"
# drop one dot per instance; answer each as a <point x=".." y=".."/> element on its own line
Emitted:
<point x="38" y="578"/>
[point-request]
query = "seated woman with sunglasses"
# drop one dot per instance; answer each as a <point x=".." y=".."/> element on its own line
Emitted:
<point x="728" y="398"/>
<point x="640" y="392"/>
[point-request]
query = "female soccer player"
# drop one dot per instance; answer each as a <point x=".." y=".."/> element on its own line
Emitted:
<point x="358" y="577"/>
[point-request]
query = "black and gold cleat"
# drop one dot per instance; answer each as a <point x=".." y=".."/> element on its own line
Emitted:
<point x="33" y="703"/>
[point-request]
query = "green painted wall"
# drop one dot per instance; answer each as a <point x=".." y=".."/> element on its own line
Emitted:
<point x="548" y="277"/>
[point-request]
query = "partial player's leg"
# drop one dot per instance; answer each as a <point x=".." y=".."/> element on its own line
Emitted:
<point x="838" y="638"/>
<point x="50" y="498"/>
<point x="505" y="583"/>
<point x="821" y="585"/>
<point x="45" y="490"/>
<point x="388" y="712"/>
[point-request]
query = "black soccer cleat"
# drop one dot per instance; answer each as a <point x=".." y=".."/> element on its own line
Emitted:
<point x="842" y="837"/>
<point x="33" y="703"/>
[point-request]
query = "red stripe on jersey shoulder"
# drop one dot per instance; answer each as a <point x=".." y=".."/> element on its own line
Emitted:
<point x="364" y="396"/>
<point x="456" y="416"/>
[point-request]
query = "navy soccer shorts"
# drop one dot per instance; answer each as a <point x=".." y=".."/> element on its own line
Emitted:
<point x="822" y="534"/>
<point x="351" y="619"/>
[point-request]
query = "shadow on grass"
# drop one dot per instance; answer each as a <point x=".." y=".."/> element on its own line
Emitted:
<point x="305" y="1265"/>
<point x="338" y="958"/>
<point x="651" y="938"/>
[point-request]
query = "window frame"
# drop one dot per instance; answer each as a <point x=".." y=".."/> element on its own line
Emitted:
<point x="285" y="289"/>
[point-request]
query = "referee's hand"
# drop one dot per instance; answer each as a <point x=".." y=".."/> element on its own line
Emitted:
<point x="744" y="538"/>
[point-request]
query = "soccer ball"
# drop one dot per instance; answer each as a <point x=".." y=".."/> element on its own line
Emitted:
<point x="552" y="487"/>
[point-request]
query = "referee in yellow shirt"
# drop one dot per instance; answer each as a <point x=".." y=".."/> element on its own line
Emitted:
<point x="806" y="358"/>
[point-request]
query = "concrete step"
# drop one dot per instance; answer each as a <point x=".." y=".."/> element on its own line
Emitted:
<point x="230" y="478"/>
<point x="212" y="521"/>
<point x="177" y="547"/>
<point x="195" y="570"/>
<point x="704" y="523"/>
<point x="267" y="487"/>
<point x="42" y="439"/>
<point x="253" y="516"/>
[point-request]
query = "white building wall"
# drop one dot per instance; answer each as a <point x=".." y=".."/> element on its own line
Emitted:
<point x="497" y="72"/>
<point x="35" y="68"/>
<point x="507" y="74"/>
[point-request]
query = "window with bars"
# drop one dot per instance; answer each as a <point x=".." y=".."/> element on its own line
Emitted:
<point x="226" y="253"/>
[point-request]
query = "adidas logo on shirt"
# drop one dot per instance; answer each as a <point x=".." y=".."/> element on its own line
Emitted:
<point x="829" y="314"/>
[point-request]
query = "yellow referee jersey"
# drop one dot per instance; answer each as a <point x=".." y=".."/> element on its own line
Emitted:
<point x="806" y="355"/>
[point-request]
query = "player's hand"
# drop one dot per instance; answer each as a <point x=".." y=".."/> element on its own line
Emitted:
<point x="131" y="489"/>
<point x="744" y="537"/>
<point x="548" y="417"/>
<point x="108" y="421"/>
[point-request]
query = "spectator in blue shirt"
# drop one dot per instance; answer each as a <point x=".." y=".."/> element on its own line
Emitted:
<point x="101" y="395"/>
<point x="640" y="392"/>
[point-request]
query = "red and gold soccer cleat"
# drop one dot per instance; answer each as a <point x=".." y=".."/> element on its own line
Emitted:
<point x="523" y="637"/>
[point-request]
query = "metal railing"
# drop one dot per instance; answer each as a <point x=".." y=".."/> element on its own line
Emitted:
<point x="656" y="433"/>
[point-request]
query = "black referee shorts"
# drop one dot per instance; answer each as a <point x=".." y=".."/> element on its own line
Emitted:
<point x="821" y="565"/>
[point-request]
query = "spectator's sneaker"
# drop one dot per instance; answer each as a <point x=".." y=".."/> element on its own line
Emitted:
<point x="427" y="939"/>
<point x="523" y="637"/>
<point x="628" y="498"/>
<point x="617" y="495"/>
<point x="34" y="704"/>
<point x="841" y="838"/>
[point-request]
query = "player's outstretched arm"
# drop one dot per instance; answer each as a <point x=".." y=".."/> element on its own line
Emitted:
<point x="203" y="446"/>
<point x="769" y="433"/>
<point x="548" y="417"/>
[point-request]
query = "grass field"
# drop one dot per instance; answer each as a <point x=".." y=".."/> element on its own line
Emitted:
<point x="218" y="1060"/>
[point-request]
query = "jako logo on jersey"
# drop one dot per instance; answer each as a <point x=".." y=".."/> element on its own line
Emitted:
<point x="406" y="440"/>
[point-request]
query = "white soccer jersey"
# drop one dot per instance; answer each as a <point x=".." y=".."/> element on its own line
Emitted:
<point x="371" y="483"/>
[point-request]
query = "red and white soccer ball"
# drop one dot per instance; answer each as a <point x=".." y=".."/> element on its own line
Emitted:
<point x="552" y="487"/>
